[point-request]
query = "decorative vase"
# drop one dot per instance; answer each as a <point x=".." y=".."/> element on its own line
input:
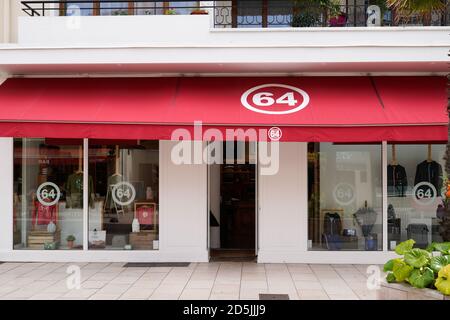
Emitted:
<point x="135" y="225"/>
<point x="51" y="227"/>
<point x="70" y="244"/>
<point x="149" y="193"/>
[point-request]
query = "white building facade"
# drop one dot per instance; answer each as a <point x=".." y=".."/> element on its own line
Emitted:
<point x="320" y="143"/>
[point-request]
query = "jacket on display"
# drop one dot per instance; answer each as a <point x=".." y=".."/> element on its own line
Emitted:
<point x="430" y="171"/>
<point x="74" y="189"/>
<point x="396" y="180"/>
<point x="43" y="215"/>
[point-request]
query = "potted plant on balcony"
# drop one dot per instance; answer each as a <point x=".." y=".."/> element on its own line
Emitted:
<point x="421" y="8"/>
<point x="170" y="12"/>
<point x="199" y="10"/>
<point x="310" y="13"/>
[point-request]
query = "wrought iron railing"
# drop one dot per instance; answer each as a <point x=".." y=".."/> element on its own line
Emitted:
<point x="237" y="13"/>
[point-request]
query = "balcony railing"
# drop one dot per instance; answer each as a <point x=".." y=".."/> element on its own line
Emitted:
<point x="242" y="13"/>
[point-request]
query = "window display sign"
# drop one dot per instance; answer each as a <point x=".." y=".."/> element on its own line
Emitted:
<point x="424" y="193"/>
<point x="48" y="194"/>
<point x="344" y="194"/>
<point x="123" y="193"/>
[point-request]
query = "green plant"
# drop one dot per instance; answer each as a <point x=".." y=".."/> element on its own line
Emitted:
<point x="70" y="238"/>
<point x="308" y="13"/>
<point x="419" y="267"/>
<point x="170" y="12"/>
<point x="443" y="280"/>
<point x="422" y="8"/>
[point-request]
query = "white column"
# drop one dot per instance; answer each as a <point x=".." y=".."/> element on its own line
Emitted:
<point x="385" y="200"/>
<point x="6" y="193"/>
<point x="85" y="194"/>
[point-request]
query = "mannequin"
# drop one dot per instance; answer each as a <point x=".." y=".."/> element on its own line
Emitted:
<point x="80" y="160"/>
<point x="117" y="163"/>
<point x="74" y="186"/>
<point x="394" y="156"/>
<point x="113" y="180"/>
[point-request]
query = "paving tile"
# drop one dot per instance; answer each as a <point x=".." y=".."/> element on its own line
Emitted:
<point x="307" y="285"/>
<point x="304" y="276"/>
<point x="200" y="284"/>
<point x="45" y="296"/>
<point x="79" y="293"/>
<point x="312" y="294"/>
<point x="124" y="280"/>
<point x="105" y="296"/>
<point x="347" y="296"/>
<point x="195" y="294"/>
<point x="251" y="293"/>
<point x="111" y="288"/>
<point x="90" y="284"/>
<point x="224" y="296"/>
<point x="137" y="293"/>
<point x="254" y="284"/>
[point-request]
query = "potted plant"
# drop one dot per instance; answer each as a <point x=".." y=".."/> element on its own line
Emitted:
<point x="310" y="13"/>
<point x="199" y="11"/>
<point x="338" y="20"/>
<point x="421" y="8"/>
<point x="420" y="268"/>
<point x="70" y="241"/>
<point x="170" y="12"/>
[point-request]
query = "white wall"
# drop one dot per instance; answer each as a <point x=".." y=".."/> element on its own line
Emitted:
<point x="282" y="219"/>
<point x="183" y="205"/>
<point x="197" y="30"/>
<point x="6" y="195"/>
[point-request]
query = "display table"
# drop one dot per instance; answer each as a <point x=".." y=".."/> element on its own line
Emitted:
<point x="143" y="240"/>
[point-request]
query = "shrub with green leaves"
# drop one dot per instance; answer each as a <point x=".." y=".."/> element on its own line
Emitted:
<point x="419" y="267"/>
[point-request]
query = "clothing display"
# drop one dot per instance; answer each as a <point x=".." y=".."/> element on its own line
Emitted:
<point x="74" y="189"/>
<point x="430" y="171"/>
<point x="43" y="215"/>
<point x="397" y="181"/>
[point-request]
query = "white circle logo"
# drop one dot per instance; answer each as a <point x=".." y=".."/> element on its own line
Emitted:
<point x="275" y="133"/>
<point x="48" y="194"/>
<point x="286" y="100"/>
<point x="424" y="193"/>
<point x="123" y="193"/>
<point x="344" y="193"/>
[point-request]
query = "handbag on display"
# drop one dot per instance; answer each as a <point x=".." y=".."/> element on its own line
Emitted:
<point x="144" y="214"/>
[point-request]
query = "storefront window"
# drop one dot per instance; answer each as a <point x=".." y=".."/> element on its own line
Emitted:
<point x="124" y="206"/>
<point x="416" y="183"/>
<point x="344" y="197"/>
<point x="48" y="194"/>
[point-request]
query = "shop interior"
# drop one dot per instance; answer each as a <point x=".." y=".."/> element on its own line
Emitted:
<point x="232" y="198"/>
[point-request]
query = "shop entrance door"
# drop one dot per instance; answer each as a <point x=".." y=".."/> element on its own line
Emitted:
<point x="232" y="203"/>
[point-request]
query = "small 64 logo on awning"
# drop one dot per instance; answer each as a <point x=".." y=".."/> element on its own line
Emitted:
<point x="275" y="98"/>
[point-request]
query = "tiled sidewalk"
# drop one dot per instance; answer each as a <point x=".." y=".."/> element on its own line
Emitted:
<point x="224" y="280"/>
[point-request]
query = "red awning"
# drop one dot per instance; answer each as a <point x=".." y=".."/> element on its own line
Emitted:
<point x="333" y="109"/>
